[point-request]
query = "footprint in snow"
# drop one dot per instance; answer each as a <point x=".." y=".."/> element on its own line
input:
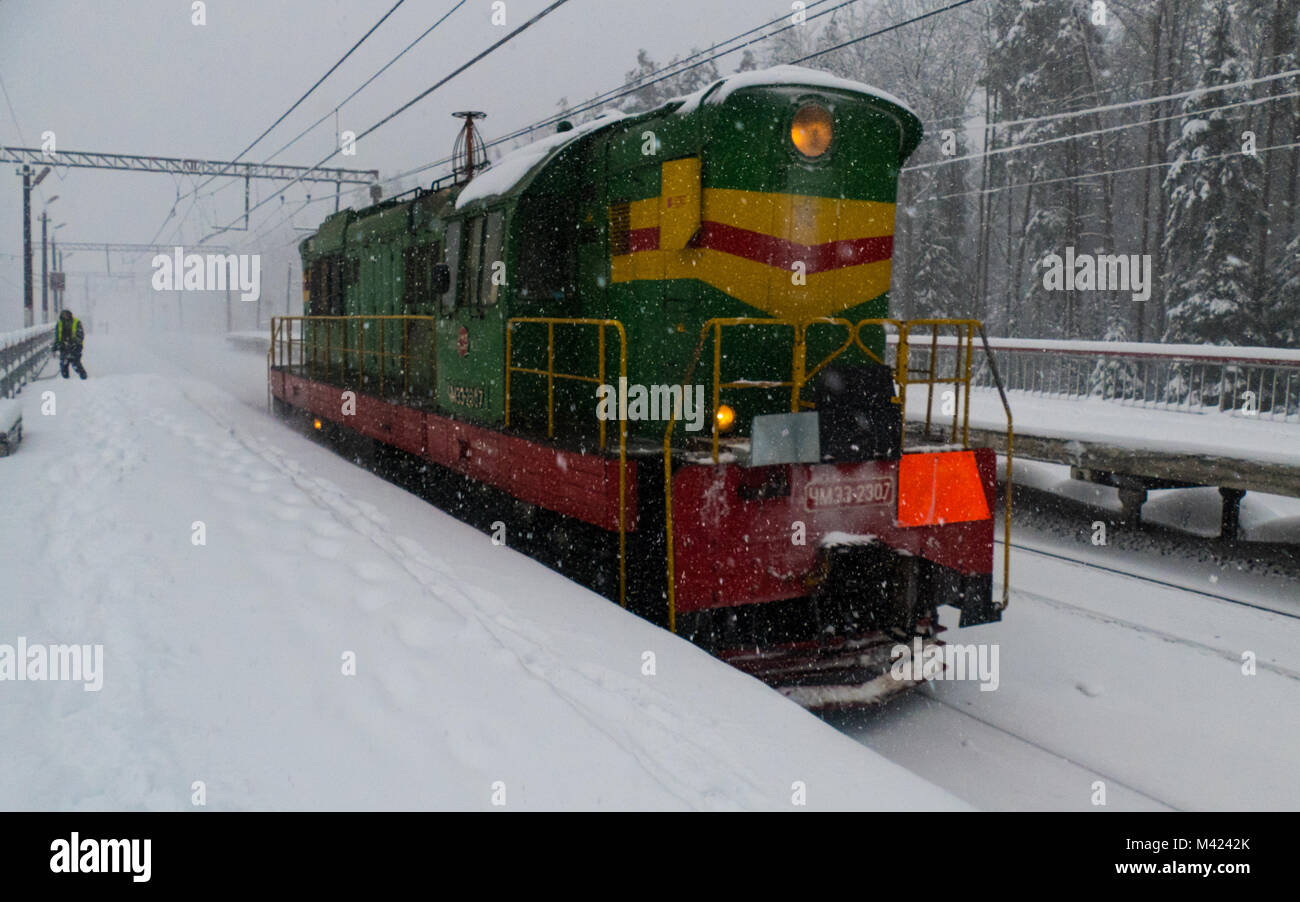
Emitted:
<point x="325" y="548"/>
<point x="287" y="514"/>
<point x="326" y="528"/>
<point x="371" y="571"/>
<point x="371" y="600"/>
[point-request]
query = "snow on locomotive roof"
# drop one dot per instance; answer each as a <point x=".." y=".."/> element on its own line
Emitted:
<point x="506" y="173"/>
<point x="786" y="75"/>
<point x="509" y="172"/>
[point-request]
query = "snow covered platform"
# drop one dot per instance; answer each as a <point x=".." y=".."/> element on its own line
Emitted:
<point x="297" y="633"/>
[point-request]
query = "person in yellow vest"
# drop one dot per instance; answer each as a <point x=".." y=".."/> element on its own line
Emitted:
<point x="68" y="340"/>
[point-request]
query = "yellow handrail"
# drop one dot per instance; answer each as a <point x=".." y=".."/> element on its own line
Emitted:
<point x="282" y="343"/>
<point x="963" y="364"/>
<point x="551" y="375"/>
<point x="800" y="376"/>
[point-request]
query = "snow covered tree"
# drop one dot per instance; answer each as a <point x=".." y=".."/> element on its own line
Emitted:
<point x="661" y="87"/>
<point x="1215" y="207"/>
<point x="1281" y="308"/>
<point x="1042" y="64"/>
<point x="1114" y="378"/>
<point x="937" y="279"/>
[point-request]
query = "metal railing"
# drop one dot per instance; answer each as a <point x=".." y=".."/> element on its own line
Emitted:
<point x="334" y="349"/>
<point x="551" y="374"/>
<point x="1259" y="382"/>
<point x="912" y="363"/>
<point x="21" y="355"/>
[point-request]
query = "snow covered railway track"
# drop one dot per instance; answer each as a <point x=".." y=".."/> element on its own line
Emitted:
<point x="1227" y="654"/>
<point x="1093" y="565"/>
<point x="1110" y="779"/>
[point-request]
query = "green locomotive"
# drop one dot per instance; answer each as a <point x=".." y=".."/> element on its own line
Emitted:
<point x="661" y="340"/>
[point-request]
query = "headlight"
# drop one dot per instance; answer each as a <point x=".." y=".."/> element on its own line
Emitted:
<point x="811" y="130"/>
<point x="726" y="417"/>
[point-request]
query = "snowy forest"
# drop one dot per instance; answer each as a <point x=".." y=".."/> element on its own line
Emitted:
<point x="1168" y="128"/>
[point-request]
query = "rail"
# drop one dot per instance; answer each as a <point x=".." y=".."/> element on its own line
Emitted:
<point x="551" y="374"/>
<point x="21" y="355"/>
<point x="1262" y="383"/>
<point x="930" y="373"/>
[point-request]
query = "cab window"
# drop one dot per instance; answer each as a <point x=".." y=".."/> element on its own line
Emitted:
<point x="453" y="244"/>
<point x="473" y="262"/>
<point x="547" y="268"/>
<point x="493" y="239"/>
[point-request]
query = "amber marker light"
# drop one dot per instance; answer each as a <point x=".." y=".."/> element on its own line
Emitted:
<point x="725" y="417"/>
<point x="316" y="424"/>
<point x="811" y="130"/>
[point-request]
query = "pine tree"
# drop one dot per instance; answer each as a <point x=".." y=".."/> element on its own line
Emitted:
<point x="937" y="276"/>
<point x="1215" y="205"/>
<point x="1282" y="303"/>
<point x="1114" y="377"/>
<point x="658" y="89"/>
<point x="1038" y="66"/>
<point x="648" y="96"/>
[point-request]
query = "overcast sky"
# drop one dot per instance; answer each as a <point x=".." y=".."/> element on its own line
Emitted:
<point x="136" y="76"/>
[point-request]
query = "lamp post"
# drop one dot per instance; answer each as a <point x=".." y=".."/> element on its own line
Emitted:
<point x="62" y="290"/>
<point x="57" y="262"/>
<point x="45" y="261"/>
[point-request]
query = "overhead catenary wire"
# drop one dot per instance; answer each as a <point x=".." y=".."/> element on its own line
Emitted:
<point x="1145" y="101"/>
<point x="18" y="128"/>
<point x="418" y="97"/>
<point x="676" y="69"/>
<point x="354" y="93"/>
<point x="312" y="89"/>
<point x="668" y="71"/>
<point x="966" y="118"/>
<point x="1010" y="148"/>
<point x="627" y="87"/>
<point x="1023" y="121"/>
<point x="367" y="82"/>
<point x="293" y="107"/>
<point x="1088" y="175"/>
<point x="880" y="31"/>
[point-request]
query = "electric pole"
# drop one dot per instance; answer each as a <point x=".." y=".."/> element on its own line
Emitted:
<point x="45" y="270"/>
<point x="28" y="184"/>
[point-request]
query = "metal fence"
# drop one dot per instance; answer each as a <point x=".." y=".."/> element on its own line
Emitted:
<point x="1260" y="382"/>
<point x="21" y="356"/>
